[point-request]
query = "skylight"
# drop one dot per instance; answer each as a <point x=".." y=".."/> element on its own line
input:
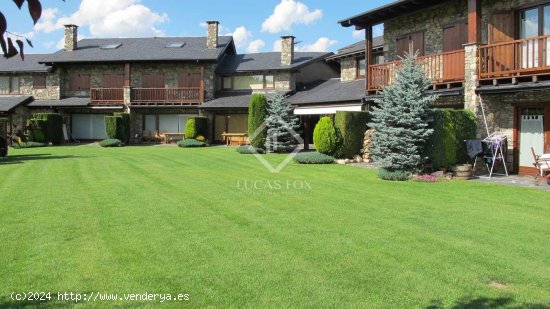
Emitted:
<point x="111" y="46"/>
<point x="175" y="45"/>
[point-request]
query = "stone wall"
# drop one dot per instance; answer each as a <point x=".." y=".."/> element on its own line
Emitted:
<point x="51" y="92"/>
<point x="430" y="21"/>
<point x="285" y="81"/>
<point x="348" y="69"/>
<point x="96" y="72"/>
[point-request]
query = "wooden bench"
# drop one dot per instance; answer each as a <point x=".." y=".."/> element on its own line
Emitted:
<point x="235" y="139"/>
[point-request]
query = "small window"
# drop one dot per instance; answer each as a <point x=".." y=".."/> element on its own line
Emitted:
<point x="248" y="82"/>
<point x="4" y="85"/>
<point x="14" y="89"/>
<point x="111" y="46"/>
<point x="175" y="45"/>
<point x="226" y="83"/>
<point x="39" y="82"/>
<point x="361" y="68"/>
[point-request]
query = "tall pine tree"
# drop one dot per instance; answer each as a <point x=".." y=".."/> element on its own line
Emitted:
<point x="282" y="125"/>
<point x="401" y="122"/>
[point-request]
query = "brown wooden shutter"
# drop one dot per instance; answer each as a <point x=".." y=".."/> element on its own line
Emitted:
<point x="187" y="80"/>
<point x="73" y="81"/>
<point x="114" y="80"/>
<point x="183" y="80"/>
<point x="153" y="80"/>
<point x="455" y="36"/>
<point x="195" y="80"/>
<point x="501" y="27"/>
<point x="84" y="82"/>
<point x="415" y="40"/>
<point x="39" y="81"/>
<point x="402" y="46"/>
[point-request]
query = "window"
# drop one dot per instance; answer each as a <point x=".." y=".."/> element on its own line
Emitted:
<point x="79" y="82"/>
<point x="361" y="68"/>
<point x="248" y="82"/>
<point x="9" y="85"/>
<point x="39" y="81"/>
<point x="111" y="46"/>
<point x="175" y="45"/>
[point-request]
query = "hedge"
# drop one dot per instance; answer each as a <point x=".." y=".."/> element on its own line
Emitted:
<point x="352" y="127"/>
<point x="110" y="142"/>
<point x="249" y="149"/>
<point x="125" y="131"/>
<point x="326" y="138"/>
<point x="28" y="145"/>
<point x="3" y="137"/>
<point x="257" y="113"/>
<point x="196" y="126"/>
<point x="47" y="128"/>
<point x="313" y="158"/>
<point x="114" y="127"/>
<point x="451" y="128"/>
<point x="191" y="143"/>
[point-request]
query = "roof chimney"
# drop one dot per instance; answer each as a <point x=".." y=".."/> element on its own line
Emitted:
<point x="287" y="49"/>
<point x="212" y="36"/>
<point x="71" y="37"/>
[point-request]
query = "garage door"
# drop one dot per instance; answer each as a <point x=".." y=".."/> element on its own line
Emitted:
<point x="88" y="126"/>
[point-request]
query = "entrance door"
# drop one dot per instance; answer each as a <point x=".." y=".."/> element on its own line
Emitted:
<point x="534" y="132"/>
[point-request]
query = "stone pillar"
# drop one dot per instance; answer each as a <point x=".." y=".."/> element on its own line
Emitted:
<point x="212" y="35"/>
<point x="471" y="77"/>
<point x="287" y="50"/>
<point x="127" y="98"/>
<point x="71" y="37"/>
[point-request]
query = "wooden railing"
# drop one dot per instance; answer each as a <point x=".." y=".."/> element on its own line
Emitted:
<point x="442" y="68"/>
<point x="515" y="58"/>
<point x="169" y="96"/>
<point x="107" y="95"/>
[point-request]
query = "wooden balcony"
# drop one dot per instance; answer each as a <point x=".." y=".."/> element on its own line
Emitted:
<point x="515" y="59"/>
<point x="444" y="69"/>
<point x="167" y="96"/>
<point x="106" y="96"/>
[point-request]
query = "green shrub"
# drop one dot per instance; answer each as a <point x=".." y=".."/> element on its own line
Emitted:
<point x="114" y="127"/>
<point x="201" y="138"/>
<point x="313" y="158"/>
<point x="29" y="145"/>
<point x="37" y="130"/>
<point x="3" y="137"/>
<point x="51" y="125"/>
<point x="196" y="126"/>
<point x="124" y="134"/>
<point x="249" y="149"/>
<point x="110" y="142"/>
<point x="451" y="129"/>
<point x="191" y="143"/>
<point x="393" y="175"/>
<point x="257" y="113"/>
<point x="326" y="138"/>
<point x="352" y="127"/>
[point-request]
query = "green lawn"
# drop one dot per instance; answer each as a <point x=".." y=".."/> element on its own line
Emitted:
<point x="168" y="220"/>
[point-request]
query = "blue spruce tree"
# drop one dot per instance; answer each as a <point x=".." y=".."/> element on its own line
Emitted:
<point x="401" y="122"/>
<point x="282" y="125"/>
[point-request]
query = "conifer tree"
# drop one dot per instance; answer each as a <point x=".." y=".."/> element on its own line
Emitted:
<point x="401" y="122"/>
<point x="282" y="125"/>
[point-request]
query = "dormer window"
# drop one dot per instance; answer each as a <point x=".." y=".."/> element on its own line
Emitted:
<point x="111" y="46"/>
<point x="175" y="45"/>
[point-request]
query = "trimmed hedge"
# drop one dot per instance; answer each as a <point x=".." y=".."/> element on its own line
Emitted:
<point x="326" y="138"/>
<point x="3" y="137"/>
<point x="249" y="149"/>
<point x="451" y="128"/>
<point x="352" y="127"/>
<point x="196" y="126"/>
<point x="118" y="127"/>
<point x="51" y="125"/>
<point x="110" y="142"/>
<point x="191" y="143"/>
<point x="393" y="175"/>
<point x="313" y="158"/>
<point x="257" y="113"/>
<point x="28" y="145"/>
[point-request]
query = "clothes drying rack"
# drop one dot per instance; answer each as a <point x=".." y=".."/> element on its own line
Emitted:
<point x="495" y="148"/>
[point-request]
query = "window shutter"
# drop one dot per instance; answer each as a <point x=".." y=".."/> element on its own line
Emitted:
<point x="84" y="82"/>
<point x="39" y="81"/>
<point x="501" y="28"/>
<point x="153" y="80"/>
<point x="183" y="80"/>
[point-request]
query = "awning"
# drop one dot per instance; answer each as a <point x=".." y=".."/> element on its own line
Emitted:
<point x="327" y="110"/>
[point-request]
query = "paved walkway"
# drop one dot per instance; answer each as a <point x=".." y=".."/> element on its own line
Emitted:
<point x="513" y="180"/>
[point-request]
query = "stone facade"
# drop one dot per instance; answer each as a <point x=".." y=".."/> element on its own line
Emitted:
<point x="51" y="92"/>
<point x="348" y="69"/>
<point x="287" y="50"/>
<point x="212" y="35"/>
<point x="96" y="72"/>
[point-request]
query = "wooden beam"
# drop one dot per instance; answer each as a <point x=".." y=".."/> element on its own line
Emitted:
<point x="127" y="75"/>
<point x="368" y="54"/>
<point x="474" y="21"/>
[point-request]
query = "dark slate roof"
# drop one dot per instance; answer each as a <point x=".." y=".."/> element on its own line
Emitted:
<point x="266" y="62"/>
<point x="330" y="91"/>
<point x="30" y="64"/>
<point x="511" y="88"/>
<point x="143" y="49"/>
<point x="388" y="11"/>
<point x="357" y="48"/>
<point x="234" y="101"/>
<point x="10" y="102"/>
<point x="67" y="102"/>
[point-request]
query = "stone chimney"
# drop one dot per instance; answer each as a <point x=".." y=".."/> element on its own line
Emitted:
<point x="71" y="37"/>
<point x="287" y="50"/>
<point x="212" y="36"/>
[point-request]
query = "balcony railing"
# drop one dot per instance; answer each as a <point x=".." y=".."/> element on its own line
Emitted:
<point x="443" y="68"/>
<point x="167" y="96"/>
<point x="525" y="57"/>
<point x="107" y="95"/>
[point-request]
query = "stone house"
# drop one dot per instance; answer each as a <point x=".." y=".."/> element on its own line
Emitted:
<point x="477" y="52"/>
